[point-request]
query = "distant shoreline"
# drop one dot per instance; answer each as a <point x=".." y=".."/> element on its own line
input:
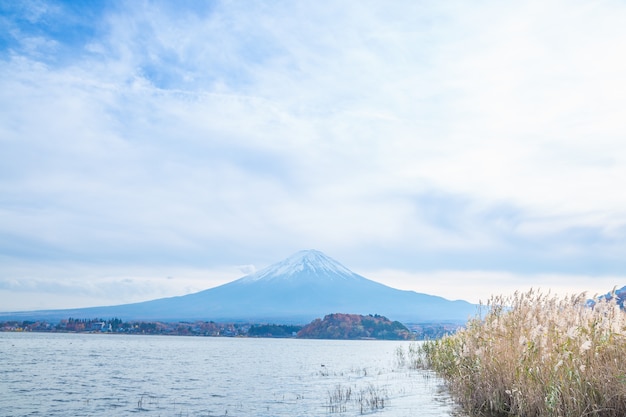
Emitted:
<point x="419" y="331"/>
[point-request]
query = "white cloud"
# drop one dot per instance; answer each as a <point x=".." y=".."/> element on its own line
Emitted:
<point x="247" y="269"/>
<point x="463" y="133"/>
<point x="480" y="286"/>
<point x="29" y="286"/>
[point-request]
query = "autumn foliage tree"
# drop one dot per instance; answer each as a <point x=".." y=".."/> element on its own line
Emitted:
<point x="355" y="326"/>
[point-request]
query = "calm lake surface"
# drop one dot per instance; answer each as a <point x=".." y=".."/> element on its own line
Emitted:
<point x="45" y="374"/>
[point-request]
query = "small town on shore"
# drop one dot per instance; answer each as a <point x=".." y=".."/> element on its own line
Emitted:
<point x="334" y="326"/>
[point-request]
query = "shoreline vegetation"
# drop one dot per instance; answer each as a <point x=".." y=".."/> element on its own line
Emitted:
<point x="333" y="326"/>
<point x="535" y="354"/>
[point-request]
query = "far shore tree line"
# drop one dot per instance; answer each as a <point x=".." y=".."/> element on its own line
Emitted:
<point x="333" y="326"/>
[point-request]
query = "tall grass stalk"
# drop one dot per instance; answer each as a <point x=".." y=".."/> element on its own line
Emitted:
<point x="338" y="399"/>
<point x="372" y="398"/>
<point x="367" y="399"/>
<point x="535" y="354"/>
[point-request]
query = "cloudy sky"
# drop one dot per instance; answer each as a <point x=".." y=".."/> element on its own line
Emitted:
<point x="462" y="149"/>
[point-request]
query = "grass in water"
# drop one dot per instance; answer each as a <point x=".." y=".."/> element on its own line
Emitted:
<point x="367" y="399"/>
<point x="338" y="399"/>
<point x="534" y="354"/>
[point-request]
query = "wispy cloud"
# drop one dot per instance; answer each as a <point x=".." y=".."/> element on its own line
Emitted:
<point x="413" y="136"/>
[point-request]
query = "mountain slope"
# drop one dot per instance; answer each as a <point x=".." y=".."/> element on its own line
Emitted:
<point x="305" y="286"/>
<point x="618" y="293"/>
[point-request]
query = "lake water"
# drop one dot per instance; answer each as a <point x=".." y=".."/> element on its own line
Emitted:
<point x="45" y="374"/>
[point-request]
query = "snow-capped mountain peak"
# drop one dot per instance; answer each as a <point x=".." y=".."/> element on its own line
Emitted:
<point x="304" y="263"/>
<point x="305" y="286"/>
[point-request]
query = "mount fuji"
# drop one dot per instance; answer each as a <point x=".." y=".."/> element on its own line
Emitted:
<point x="305" y="286"/>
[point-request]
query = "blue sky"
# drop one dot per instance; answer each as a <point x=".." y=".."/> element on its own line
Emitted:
<point x="462" y="149"/>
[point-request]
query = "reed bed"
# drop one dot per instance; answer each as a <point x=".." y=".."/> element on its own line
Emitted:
<point x="535" y="354"/>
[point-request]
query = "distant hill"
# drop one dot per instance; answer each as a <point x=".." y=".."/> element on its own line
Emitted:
<point x="619" y="294"/>
<point x="355" y="326"/>
<point x="296" y="290"/>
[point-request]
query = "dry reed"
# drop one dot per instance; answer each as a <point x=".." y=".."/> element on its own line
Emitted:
<point x="534" y="354"/>
<point x="367" y="399"/>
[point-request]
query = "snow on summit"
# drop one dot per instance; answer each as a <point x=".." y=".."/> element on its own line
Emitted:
<point x="304" y="263"/>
